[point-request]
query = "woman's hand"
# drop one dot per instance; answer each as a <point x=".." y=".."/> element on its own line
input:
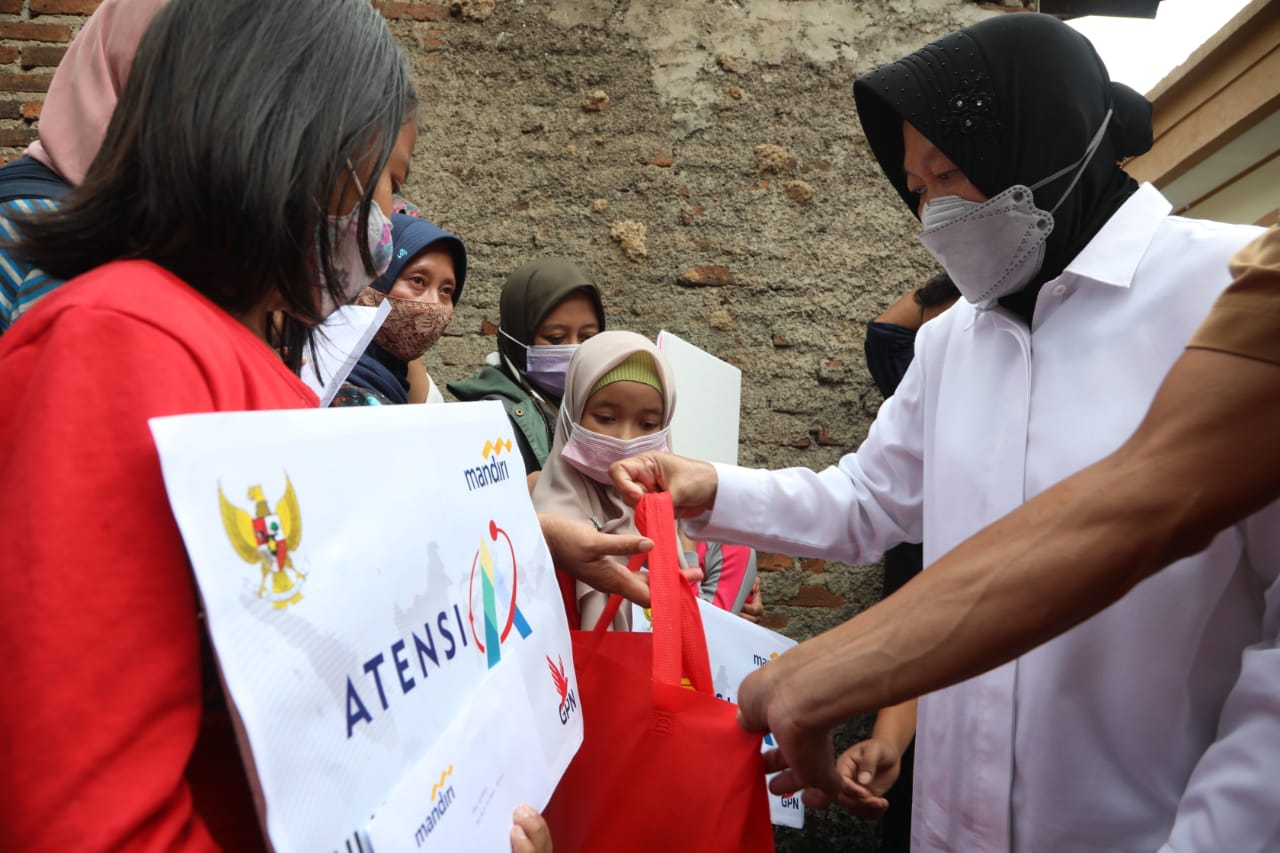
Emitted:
<point x="578" y="549"/>
<point x="530" y="833"/>
<point x="692" y="484"/>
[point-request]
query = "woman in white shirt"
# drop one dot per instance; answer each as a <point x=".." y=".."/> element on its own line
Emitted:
<point x="1152" y="725"/>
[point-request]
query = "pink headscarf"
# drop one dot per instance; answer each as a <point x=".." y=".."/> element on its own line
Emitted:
<point x="87" y="85"/>
<point x="561" y="489"/>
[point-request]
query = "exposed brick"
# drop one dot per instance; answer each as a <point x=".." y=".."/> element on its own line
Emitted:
<point x="27" y="31"/>
<point x="813" y="564"/>
<point x="413" y="11"/>
<point x="42" y="55"/>
<point x="773" y="620"/>
<point x="8" y="54"/>
<point x="31" y="109"/>
<point x="10" y="7"/>
<point x="767" y="562"/>
<point x="25" y="82"/>
<point x="16" y="137"/>
<point x="826" y="439"/>
<point x="10" y="109"/>
<point x="63" y="7"/>
<point x="487" y="328"/>
<point x="711" y="275"/>
<point x="815" y="595"/>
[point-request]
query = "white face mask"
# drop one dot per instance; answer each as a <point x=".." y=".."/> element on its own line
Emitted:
<point x="348" y="266"/>
<point x="995" y="247"/>
<point x="989" y="248"/>
<point x="591" y="453"/>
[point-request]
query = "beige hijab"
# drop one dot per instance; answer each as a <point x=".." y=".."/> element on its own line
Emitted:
<point x="87" y="85"/>
<point x="561" y="488"/>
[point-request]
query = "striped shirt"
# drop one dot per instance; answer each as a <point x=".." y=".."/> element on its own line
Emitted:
<point x="21" y="285"/>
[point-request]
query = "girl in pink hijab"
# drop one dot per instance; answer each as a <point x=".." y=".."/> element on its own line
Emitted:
<point x="74" y="120"/>
<point x="619" y="397"/>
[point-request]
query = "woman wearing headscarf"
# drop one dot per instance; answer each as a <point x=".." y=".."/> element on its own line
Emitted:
<point x="73" y="121"/>
<point x="423" y="284"/>
<point x="548" y="308"/>
<point x="1152" y="725"/>
<point x="619" y="398"/>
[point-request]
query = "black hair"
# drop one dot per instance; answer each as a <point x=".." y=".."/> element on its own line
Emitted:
<point x="240" y="121"/>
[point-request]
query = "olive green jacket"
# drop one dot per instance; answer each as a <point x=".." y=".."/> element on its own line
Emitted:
<point x="534" y="431"/>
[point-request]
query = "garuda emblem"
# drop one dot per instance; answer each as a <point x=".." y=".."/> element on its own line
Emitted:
<point x="268" y="539"/>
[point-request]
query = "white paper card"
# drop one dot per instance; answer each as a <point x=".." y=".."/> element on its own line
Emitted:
<point x="364" y="572"/>
<point x="340" y="341"/>
<point x="736" y="648"/>
<point x="462" y="793"/>
<point x="709" y="396"/>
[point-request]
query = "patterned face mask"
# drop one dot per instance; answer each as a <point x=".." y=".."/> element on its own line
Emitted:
<point x="412" y="327"/>
<point x="348" y="266"/>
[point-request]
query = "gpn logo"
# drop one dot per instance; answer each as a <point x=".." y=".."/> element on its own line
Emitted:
<point x="495" y="596"/>
<point x="568" y="699"/>
<point x="492" y="470"/>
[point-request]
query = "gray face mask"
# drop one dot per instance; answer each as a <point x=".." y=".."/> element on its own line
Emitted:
<point x="995" y="247"/>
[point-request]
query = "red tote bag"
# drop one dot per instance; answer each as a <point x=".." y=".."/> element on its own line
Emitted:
<point x="664" y="765"/>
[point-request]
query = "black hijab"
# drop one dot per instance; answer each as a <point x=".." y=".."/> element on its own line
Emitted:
<point x="529" y="295"/>
<point x="1012" y="100"/>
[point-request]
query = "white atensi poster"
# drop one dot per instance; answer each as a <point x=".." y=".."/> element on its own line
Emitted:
<point x="368" y="575"/>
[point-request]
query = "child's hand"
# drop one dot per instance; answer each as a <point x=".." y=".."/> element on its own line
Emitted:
<point x="753" y="607"/>
<point x="872" y="766"/>
<point x="530" y="833"/>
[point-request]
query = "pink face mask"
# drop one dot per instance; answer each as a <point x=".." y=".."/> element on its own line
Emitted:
<point x="591" y="453"/>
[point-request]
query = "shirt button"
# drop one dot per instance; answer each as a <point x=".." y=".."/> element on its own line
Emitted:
<point x="1059" y="290"/>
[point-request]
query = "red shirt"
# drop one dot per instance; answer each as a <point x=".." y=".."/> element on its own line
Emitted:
<point x="103" y="732"/>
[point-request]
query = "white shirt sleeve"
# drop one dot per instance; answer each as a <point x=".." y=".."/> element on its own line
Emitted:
<point x="851" y="512"/>
<point x="1232" y="801"/>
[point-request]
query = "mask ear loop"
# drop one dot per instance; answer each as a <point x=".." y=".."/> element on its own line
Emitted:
<point x="366" y="257"/>
<point x="519" y="374"/>
<point x="1080" y="165"/>
<point x="355" y="177"/>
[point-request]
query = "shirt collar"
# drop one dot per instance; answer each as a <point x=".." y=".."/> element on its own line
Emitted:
<point x="1113" y="255"/>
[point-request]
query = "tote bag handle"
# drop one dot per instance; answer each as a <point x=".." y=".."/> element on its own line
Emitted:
<point x="679" y="644"/>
